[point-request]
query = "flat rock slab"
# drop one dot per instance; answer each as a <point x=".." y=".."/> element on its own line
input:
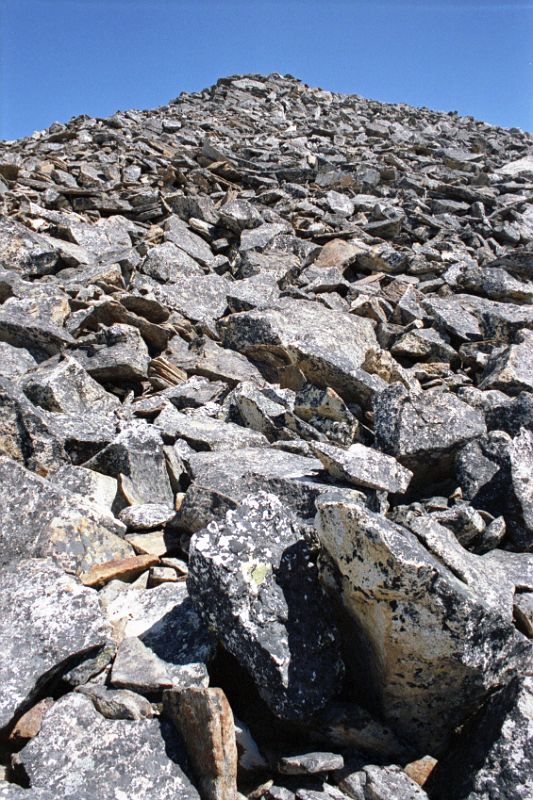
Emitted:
<point x="438" y="618"/>
<point x="79" y="750"/>
<point x="310" y="763"/>
<point x="46" y="620"/>
<point x="253" y="580"/>
<point x="223" y="478"/>
<point x="39" y="519"/>
<point x="205" y="432"/>
<point x="364" y="466"/>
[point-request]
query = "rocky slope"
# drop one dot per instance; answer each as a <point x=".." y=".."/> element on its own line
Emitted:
<point x="266" y="437"/>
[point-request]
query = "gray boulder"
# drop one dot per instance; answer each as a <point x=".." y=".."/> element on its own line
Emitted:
<point x="48" y="620"/>
<point x="78" y="750"/>
<point x="492" y="757"/>
<point x="254" y="581"/>
<point x="437" y="619"/>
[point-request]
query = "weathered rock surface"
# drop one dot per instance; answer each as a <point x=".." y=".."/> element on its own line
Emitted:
<point x="493" y="755"/>
<point x="205" y="720"/>
<point x="253" y="580"/>
<point x="437" y="619"/>
<point x="78" y="750"/>
<point x="48" y="621"/>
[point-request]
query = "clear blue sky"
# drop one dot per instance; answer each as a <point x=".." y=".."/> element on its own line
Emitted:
<point x="60" y="58"/>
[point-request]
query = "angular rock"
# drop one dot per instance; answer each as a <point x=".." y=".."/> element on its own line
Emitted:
<point x="492" y="756"/>
<point x="205" y="720"/>
<point x="39" y="520"/>
<point x="247" y="577"/>
<point x="419" y="429"/>
<point x="78" y="750"/>
<point x="310" y="763"/>
<point x="48" y="621"/>
<point x="162" y="641"/>
<point x="437" y="618"/>
<point x="67" y="388"/>
<point x="364" y="466"/>
<point x="137" y="453"/>
<point x="329" y="347"/>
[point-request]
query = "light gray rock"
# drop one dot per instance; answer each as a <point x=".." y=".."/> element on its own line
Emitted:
<point x="364" y="466"/>
<point x="162" y="641"/>
<point x="492" y="757"/>
<point x="68" y="388"/>
<point x="79" y="750"/>
<point x="329" y="347"/>
<point x="436" y="618"/>
<point x="47" y="621"/>
<point x="205" y="432"/>
<point x="147" y="516"/>
<point x="253" y="580"/>
<point x="310" y="763"/>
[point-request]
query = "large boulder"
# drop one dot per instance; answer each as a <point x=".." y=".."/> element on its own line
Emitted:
<point x="329" y="347"/>
<point x="254" y="581"/>
<point x="435" y="623"/>
<point x="79" y="750"/>
<point x="47" y="621"/>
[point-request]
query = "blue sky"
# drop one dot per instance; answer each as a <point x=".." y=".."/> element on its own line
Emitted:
<point x="60" y="58"/>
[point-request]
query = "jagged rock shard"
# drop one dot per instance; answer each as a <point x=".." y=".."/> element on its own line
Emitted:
<point x="253" y="580"/>
<point x="78" y="750"/>
<point x="48" y="619"/>
<point x="205" y="720"/>
<point x="436" y="619"/>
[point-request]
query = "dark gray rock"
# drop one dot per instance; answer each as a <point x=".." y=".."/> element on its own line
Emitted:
<point x="254" y="582"/>
<point x="79" y="750"/>
<point x="136" y="453"/>
<point x="206" y="433"/>
<point x="48" y="620"/>
<point x="418" y="429"/>
<point x="492" y="757"/>
<point x="40" y="519"/>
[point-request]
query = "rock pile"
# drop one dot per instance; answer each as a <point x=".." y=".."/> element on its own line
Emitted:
<point x="266" y="452"/>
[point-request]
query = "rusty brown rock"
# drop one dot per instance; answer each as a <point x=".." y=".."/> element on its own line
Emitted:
<point x="420" y="770"/>
<point x="124" y="569"/>
<point x="29" y="724"/>
<point x="205" y="720"/>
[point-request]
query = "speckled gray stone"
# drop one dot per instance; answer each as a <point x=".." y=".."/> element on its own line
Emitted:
<point x="79" y="750"/>
<point x="46" y="620"/>
<point x="253" y="580"/>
